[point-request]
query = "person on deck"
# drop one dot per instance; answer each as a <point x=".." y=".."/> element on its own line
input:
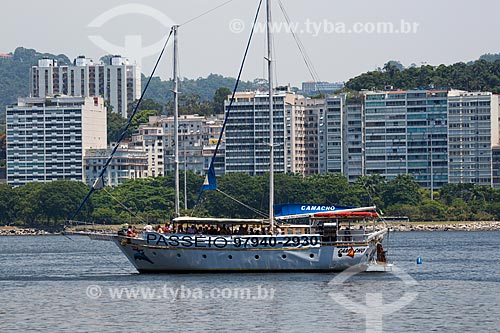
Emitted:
<point x="192" y="230"/>
<point x="212" y="230"/>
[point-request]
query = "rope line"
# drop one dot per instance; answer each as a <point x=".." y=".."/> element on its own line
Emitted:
<point x="307" y="60"/>
<point x="123" y="205"/>
<point x="258" y="212"/>
<point x="205" y="13"/>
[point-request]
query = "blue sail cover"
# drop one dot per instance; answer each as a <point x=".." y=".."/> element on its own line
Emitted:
<point x="298" y="209"/>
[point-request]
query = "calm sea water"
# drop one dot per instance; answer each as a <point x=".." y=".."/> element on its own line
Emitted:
<point x="56" y="284"/>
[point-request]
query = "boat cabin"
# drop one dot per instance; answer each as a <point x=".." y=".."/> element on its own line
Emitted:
<point x="349" y="227"/>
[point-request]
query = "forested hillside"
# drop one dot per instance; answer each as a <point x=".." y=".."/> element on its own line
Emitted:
<point x="203" y="88"/>
<point x="15" y="70"/>
<point x="14" y="73"/>
<point x="481" y="75"/>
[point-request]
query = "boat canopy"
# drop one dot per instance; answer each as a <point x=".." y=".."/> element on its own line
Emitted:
<point x="296" y="211"/>
<point x="215" y="220"/>
<point x="344" y="214"/>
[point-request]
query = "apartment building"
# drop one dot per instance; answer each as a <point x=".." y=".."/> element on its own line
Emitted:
<point x="247" y="134"/>
<point x="353" y="139"/>
<point x="313" y="112"/>
<point x="331" y="135"/>
<point x="47" y="138"/>
<point x="118" y="81"/>
<point x="128" y="163"/>
<point x="406" y="133"/>
<point x="197" y="136"/>
<point x="473" y="121"/>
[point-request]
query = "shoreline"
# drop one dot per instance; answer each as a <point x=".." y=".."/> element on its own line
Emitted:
<point x="444" y="226"/>
<point x="394" y="226"/>
<point x="16" y="231"/>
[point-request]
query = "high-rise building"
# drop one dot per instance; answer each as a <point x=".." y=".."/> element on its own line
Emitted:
<point x="118" y="81"/>
<point x="294" y="143"/>
<point x="331" y="135"/>
<point x="313" y="133"/>
<point x="353" y="139"/>
<point x="247" y="133"/>
<point x="406" y="133"/>
<point x="314" y="111"/>
<point x="473" y="123"/>
<point x="47" y="138"/>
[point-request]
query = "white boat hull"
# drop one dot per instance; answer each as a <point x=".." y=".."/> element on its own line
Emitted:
<point x="147" y="257"/>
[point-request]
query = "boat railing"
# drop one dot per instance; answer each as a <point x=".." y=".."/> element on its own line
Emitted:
<point x="142" y="235"/>
<point x="344" y="236"/>
<point x="351" y="236"/>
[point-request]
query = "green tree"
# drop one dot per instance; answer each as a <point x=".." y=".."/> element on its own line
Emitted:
<point x="330" y="188"/>
<point x="190" y="104"/>
<point x="7" y="200"/>
<point x="289" y="188"/>
<point x="221" y="95"/>
<point x="433" y="210"/>
<point x="28" y="208"/>
<point x="392" y="68"/>
<point x="459" y="210"/>
<point x="402" y="190"/>
<point x="494" y="209"/>
<point x="399" y="209"/>
<point x="371" y="190"/>
<point x="204" y="88"/>
<point x="3" y="146"/>
<point x="60" y="199"/>
<point x="105" y="215"/>
<point x="115" y="124"/>
<point x="142" y="117"/>
<point x="251" y="191"/>
<point x="15" y="72"/>
<point x="480" y="75"/>
<point x="146" y="104"/>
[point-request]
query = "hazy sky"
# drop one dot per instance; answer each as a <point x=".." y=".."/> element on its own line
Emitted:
<point x="447" y="31"/>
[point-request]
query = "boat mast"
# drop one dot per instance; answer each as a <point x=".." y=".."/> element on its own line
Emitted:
<point x="176" y="121"/>
<point x="270" y="68"/>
